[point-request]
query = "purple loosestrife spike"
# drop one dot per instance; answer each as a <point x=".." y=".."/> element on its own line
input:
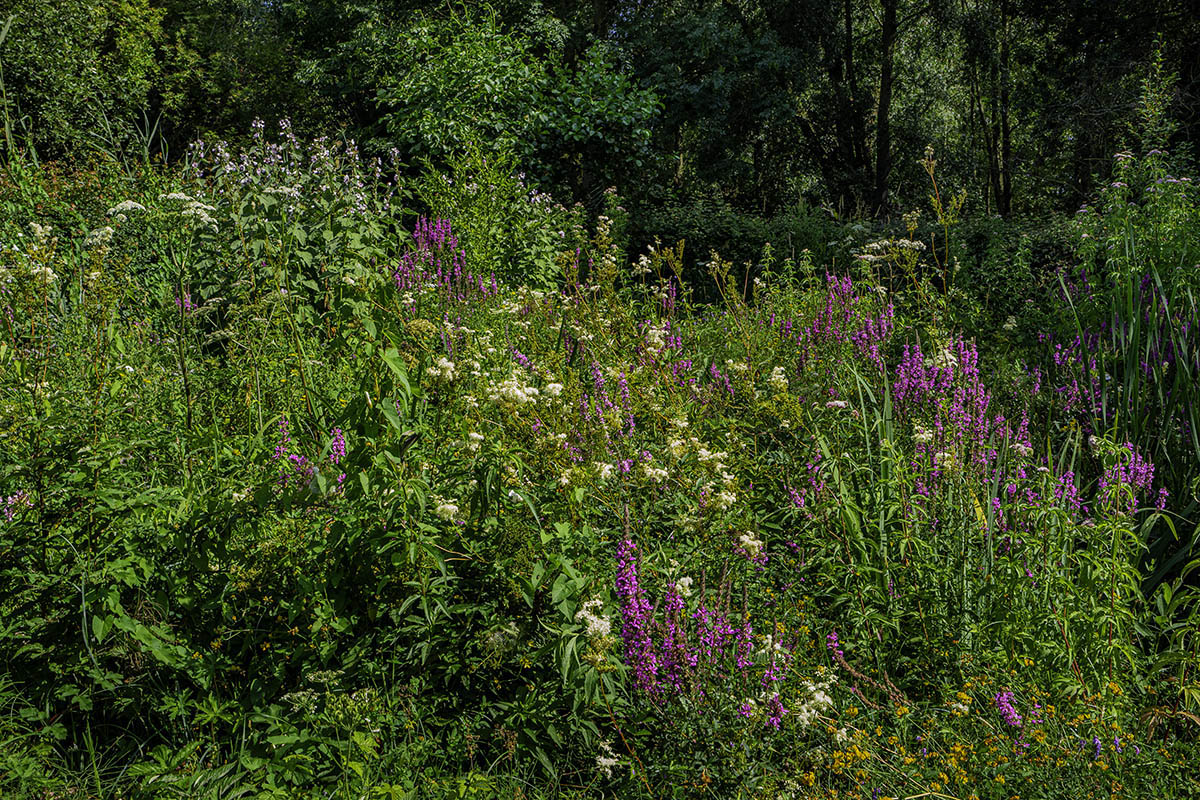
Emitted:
<point x="1004" y="704"/>
<point x="636" y="619"/>
<point x="337" y="448"/>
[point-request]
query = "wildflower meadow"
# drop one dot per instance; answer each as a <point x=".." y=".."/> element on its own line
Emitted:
<point x="335" y="470"/>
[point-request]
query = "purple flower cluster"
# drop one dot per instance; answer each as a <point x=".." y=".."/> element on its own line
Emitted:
<point x="846" y="317"/>
<point x="1008" y="711"/>
<point x="337" y="448"/>
<point x="1128" y="477"/>
<point x="637" y="619"/>
<point x="294" y="467"/>
<point x="15" y="502"/>
<point x="963" y="429"/>
<point x="436" y="260"/>
<point x="668" y="659"/>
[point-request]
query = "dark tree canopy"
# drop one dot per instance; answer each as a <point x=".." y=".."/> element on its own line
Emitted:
<point x="753" y="106"/>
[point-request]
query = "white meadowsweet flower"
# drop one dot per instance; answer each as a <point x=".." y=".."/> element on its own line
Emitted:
<point x="553" y="389"/>
<point x="655" y="338"/>
<point x="778" y="380"/>
<point x="922" y="435"/>
<point x="605" y="470"/>
<point x="684" y="586"/>
<point x="592" y="617"/>
<point x="99" y="237"/>
<point x="446" y="510"/>
<point x="817" y="700"/>
<point x="125" y="207"/>
<point x="655" y="474"/>
<point x="443" y="368"/>
<point x="771" y="644"/>
<point x="751" y="544"/>
<point x="41" y="233"/>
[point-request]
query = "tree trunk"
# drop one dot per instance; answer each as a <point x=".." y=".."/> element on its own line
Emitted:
<point x="883" y="132"/>
<point x="1004" y="197"/>
<point x="858" y="125"/>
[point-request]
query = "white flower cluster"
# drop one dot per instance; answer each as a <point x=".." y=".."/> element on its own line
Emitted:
<point x="751" y="545"/>
<point x="770" y="645"/>
<point x="818" y="700"/>
<point x="41" y="233"/>
<point x="684" y="586"/>
<point x="778" y="381"/>
<point x="654" y="474"/>
<point x="593" y="618"/>
<point x="724" y="500"/>
<point x="945" y="359"/>
<point x="945" y="459"/>
<point x="443" y="369"/>
<point x="99" y="237"/>
<point x="121" y="209"/>
<point x="199" y="212"/>
<point x="655" y="338"/>
<point x="1025" y="451"/>
<point x="553" y="389"/>
<point x="922" y="435"/>
<point x="883" y="249"/>
<point x="513" y="392"/>
<point x="604" y="470"/>
<point x="606" y="759"/>
<point x="287" y="191"/>
<point x="445" y="509"/>
<point x="192" y="208"/>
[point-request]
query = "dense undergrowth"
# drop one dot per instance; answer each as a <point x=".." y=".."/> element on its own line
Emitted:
<point x="303" y="498"/>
